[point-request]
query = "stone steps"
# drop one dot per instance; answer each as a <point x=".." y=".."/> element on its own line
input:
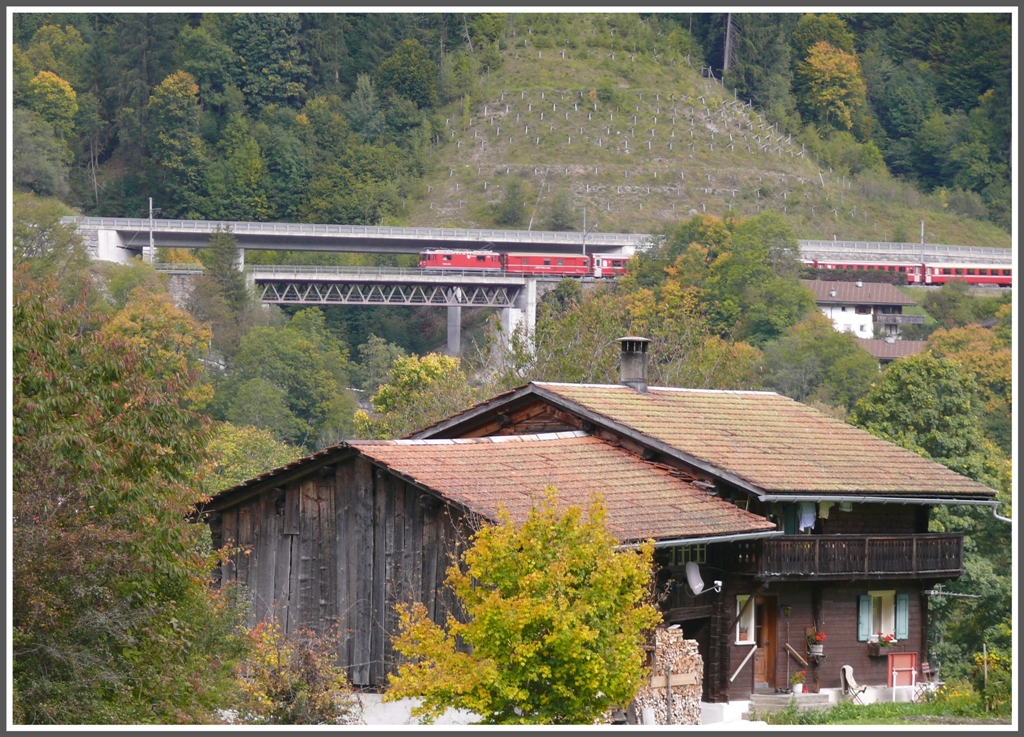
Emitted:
<point x="769" y="703"/>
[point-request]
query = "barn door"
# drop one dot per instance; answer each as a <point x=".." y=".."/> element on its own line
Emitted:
<point x="767" y="648"/>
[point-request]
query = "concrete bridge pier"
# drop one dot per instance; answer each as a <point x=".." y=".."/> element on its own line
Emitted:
<point x="454" y="330"/>
<point x="521" y="316"/>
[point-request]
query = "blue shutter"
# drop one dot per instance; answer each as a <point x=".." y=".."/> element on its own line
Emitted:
<point x="863" y="618"/>
<point x="902" y="616"/>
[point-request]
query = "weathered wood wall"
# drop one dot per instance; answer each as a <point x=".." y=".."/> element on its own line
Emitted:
<point x="341" y="547"/>
<point x="874" y="519"/>
<point x="836" y="609"/>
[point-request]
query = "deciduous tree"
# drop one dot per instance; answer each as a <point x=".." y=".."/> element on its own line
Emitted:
<point x="114" y="621"/>
<point x="418" y="392"/>
<point x="831" y="89"/>
<point x="555" y="619"/>
<point x="930" y="405"/>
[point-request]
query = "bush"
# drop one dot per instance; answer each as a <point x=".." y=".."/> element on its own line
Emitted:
<point x="294" y="680"/>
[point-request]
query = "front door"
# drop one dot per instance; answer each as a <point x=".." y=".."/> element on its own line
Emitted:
<point x="764" y="635"/>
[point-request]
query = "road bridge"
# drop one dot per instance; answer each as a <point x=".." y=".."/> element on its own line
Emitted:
<point x="121" y="239"/>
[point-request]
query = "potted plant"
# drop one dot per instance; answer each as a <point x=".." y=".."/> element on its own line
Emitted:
<point x="816" y="643"/>
<point x="797" y="680"/>
<point x="879" y="646"/>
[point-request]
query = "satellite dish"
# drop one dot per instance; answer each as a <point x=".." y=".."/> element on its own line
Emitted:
<point x="696" y="582"/>
<point x="693" y="578"/>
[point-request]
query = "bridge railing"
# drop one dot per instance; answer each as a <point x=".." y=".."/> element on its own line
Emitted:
<point x="909" y="249"/>
<point x="482" y="238"/>
<point x="264" y="271"/>
<point x="361" y="231"/>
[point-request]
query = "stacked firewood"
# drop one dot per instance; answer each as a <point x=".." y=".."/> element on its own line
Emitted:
<point x="680" y="657"/>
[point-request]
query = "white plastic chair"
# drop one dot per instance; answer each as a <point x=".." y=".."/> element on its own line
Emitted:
<point x="849" y="683"/>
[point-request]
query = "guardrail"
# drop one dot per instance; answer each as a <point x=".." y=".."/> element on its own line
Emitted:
<point x="914" y="249"/>
<point x="471" y="235"/>
<point x="360" y="231"/>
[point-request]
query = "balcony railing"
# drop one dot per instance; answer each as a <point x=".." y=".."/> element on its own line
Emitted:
<point x="899" y="319"/>
<point x="862" y="556"/>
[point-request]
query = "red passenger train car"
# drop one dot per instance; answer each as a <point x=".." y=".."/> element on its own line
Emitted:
<point x="535" y="264"/>
<point x="928" y="272"/>
<point x="936" y="273"/>
<point x="542" y="264"/>
<point x="914" y="271"/>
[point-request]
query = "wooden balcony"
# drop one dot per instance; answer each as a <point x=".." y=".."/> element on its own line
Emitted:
<point x="835" y="557"/>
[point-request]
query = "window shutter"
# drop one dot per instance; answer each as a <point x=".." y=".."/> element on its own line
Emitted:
<point x="902" y="616"/>
<point x="863" y="618"/>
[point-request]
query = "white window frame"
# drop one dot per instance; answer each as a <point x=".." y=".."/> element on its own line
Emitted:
<point x="884" y="602"/>
<point x="746" y="622"/>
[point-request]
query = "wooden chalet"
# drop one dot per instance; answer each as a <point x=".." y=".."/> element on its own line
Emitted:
<point x="809" y="524"/>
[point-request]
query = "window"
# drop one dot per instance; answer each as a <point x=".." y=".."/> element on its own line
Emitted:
<point x="947" y="272"/>
<point x="903" y="269"/>
<point x="982" y="272"/>
<point x="863" y="309"/>
<point x="616" y="263"/>
<point x="680" y="555"/>
<point x="547" y="262"/>
<point x="1006" y="272"/>
<point x="745" y="625"/>
<point x="481" y="258"/>
<point x="885" y="613"/>
<point x="561" y="262"/>
<point x="970" y="272"/>
<point x="447" y="257"/>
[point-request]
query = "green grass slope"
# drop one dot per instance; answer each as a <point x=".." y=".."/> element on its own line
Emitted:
<point x="641" y="140"/>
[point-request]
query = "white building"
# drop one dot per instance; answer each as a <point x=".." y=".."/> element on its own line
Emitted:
<point x="856" y="307"/>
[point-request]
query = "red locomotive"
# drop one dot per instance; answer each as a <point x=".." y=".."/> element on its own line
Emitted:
<point x="533" y="264"/>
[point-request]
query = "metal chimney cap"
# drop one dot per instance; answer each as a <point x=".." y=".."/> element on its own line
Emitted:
<point x="634" y="339"/>
<point x="860" y="284"/>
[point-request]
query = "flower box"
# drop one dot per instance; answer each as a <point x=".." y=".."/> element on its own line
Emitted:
<point x="878" y="651"/>
<point x="816" y="650"/>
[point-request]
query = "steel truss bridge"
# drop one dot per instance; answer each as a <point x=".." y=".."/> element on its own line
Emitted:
<point x="318" y="285"/>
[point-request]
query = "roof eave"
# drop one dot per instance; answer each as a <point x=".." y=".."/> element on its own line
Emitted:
<point x="869" y="499"/>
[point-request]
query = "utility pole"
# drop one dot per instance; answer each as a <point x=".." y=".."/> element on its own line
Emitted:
<point x="150" y="256"/>
<point x="585" y="231"/>
<point x="922" y="242"/>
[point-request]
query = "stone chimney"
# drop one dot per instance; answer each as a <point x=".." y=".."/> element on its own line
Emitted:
<point x="633" y="363"/>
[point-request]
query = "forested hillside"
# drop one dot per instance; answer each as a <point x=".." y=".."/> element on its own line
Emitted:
<point x="871" y="123"/>
<point x="366" y="118"/>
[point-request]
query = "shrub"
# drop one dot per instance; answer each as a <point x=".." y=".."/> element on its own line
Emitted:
<point x="294" y="680"/>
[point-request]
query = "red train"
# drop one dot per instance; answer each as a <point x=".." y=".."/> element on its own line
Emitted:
<point x="927" y="273"/>
<point x="534" y="264"/>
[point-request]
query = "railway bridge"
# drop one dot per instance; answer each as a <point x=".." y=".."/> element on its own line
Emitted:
<point x="514" y="296"/>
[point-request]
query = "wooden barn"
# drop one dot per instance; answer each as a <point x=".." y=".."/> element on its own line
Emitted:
<point x="771" y="521"/>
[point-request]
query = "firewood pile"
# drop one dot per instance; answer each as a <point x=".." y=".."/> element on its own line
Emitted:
<point x="680" y="656"/>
